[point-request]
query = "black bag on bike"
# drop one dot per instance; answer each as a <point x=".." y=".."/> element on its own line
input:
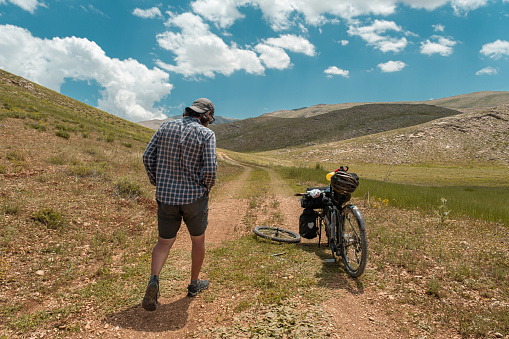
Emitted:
<point x="308" y="201"/>
<point x="308" y="227"/>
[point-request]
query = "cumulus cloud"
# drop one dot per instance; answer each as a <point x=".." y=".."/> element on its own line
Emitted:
<point x="391" y="66"/>
<point x="496" y="50"/>
<point x="343" y="42"/>
<point x="375" y="35"/>
<point x="273" y="57"/>
<point x="293" y="43"/>
<point x="150" y="13"/>
<point x="438" y="44"/>
<point x="462" y="7"/>
<point x="129" y="89"/>
<point x="284" y="14"/>
<point x="27" y="5"/>
<point x="273" y="54"/>
<point x="333" y="70"/>
<point x="487" y="71"/>
<point x="200" y="52"/>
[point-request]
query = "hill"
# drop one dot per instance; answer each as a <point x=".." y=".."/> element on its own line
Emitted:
<point x="45" y="109"/>
<point x="447" y="147"/>
<point x="266" y="133"/>
<point x="474" y="100"/>
<point x="154" y="124"/>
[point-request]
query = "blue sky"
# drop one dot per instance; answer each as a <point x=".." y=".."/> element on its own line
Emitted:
<point x="145" y="59"/>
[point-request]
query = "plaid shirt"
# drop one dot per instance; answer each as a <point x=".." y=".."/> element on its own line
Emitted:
<point x="181" y="161"/>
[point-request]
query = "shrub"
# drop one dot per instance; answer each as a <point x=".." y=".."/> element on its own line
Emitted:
<point x="62" y="134"/>
<point x="128" y="188"/>
<point x="15" y="156"/>
<point x="49" y="217"/>
<point x="88" y="169"/>
<point x="11" y="208"/>
<point x="38" y="127"/>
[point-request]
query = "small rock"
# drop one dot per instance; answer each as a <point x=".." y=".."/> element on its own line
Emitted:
<point x="39" y="272"/>
<point x="498" y="335"/>
<point x="371" y="319"/>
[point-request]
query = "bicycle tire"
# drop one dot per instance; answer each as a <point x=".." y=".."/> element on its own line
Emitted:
<point x="277" y="234"/>
<point x="354" y="245"/>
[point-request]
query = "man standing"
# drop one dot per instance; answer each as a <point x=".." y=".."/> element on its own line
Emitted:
<point x="181" y="162"/>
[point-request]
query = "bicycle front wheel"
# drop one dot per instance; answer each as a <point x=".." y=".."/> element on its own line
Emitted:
<point x="354" y="243"/>
<point x="276" y="234"/>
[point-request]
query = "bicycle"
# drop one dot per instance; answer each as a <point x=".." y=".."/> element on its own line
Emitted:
<point x="343" y="222"/>
<point x="345" y="229"/>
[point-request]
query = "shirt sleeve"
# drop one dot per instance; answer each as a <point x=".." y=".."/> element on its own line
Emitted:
<point x="210" y="162"/>
<point x="150" y="159"/>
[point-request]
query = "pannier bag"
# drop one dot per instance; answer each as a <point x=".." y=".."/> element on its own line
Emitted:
<point x="307" y="223"/>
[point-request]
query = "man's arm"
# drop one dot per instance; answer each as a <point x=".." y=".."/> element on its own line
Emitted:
<point x="209" y="163"/>
<point x="150" y="159"/>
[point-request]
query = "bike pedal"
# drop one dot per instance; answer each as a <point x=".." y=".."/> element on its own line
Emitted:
<point x="330" y="260"/>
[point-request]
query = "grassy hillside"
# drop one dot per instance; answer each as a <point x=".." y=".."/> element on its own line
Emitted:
<point x="47" y="110"/>
<point x="266" y="133"/>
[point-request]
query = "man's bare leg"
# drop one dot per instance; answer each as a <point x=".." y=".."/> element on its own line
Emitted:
<point x="160" y="254"/>
<point x="197" y="255"/>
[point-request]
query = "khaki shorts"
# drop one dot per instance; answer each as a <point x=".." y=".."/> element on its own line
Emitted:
<point x="195" y="215"/>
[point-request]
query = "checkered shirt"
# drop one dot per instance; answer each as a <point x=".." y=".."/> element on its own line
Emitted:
<point x="181" y="161"/>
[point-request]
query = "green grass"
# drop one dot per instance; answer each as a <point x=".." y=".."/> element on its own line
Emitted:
<point x="487" y="203"/>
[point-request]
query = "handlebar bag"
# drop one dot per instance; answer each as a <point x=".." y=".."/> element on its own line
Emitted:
<point x="309" y="202"/>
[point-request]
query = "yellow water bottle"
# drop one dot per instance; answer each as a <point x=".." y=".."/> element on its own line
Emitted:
<point x="329" y="175"/>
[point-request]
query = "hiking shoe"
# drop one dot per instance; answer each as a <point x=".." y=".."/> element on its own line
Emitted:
<point x="193" y="290"/>
<point x="150" y="300"/>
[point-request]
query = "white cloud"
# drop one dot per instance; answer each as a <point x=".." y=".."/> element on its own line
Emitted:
<point x="150" y="13"/>
<point x="223" y="13"/>
<point x="392" y="66"/>
<point x="284" y="14"/>
<point x="374" y="35"/>
<point x="198" y="51"/>
<point x="293" y="43"/>
<point x="438" y="28"/>
<point x="273" y="57"/>
<point x="129" y="89"/>
<point x="487" y="71"/>
<point x="343" y="42"/>
<point x="462" y="7"/>
<point x="333" y="70"/>
<point x="27" y="5"/>
<point x="496" y="50"/>
<point x="438" y="44"/>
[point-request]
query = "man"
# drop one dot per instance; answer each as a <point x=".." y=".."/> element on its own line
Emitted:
<point x="181" y="162"/>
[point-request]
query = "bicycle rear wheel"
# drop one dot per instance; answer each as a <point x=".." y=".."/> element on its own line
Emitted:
<point x="354" y="243"/>
<point x="276" y="234"/>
